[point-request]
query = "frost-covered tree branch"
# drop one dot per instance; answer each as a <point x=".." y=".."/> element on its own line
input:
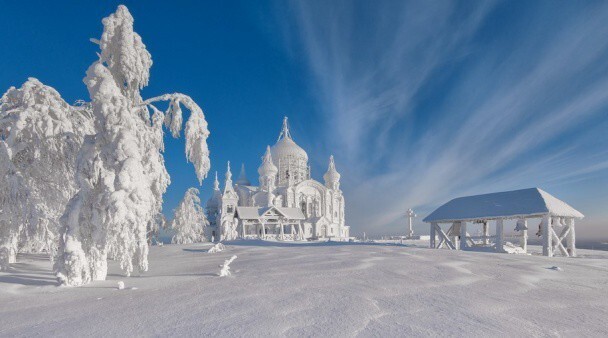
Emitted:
<point x="196" y="129"/>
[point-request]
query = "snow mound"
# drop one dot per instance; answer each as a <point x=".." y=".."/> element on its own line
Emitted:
<point x="219" y="247"/>
<point x="511" y="248"/>
<point x="121" y="285"/>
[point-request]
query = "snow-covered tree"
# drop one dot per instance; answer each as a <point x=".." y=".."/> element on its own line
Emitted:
<point x="189" y="221"/>
<point x="40" y="135"/>
<point x="12" y="199"/>
<point x="121" y="173"/>
<point x="159" y="222"/>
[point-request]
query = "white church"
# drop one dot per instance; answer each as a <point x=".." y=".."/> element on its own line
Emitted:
<point x="287" y="205"/>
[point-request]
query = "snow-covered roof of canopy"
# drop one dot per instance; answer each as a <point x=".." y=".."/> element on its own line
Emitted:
<point x="507" y="204"/>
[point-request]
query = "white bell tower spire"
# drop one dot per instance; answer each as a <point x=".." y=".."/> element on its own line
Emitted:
<point x="228" y="187"/>
<point x="216" y="183"/>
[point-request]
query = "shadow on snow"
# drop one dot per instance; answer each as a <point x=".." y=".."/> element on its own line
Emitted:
<point x="259" y="242"/>
<point x="24" y="273"/>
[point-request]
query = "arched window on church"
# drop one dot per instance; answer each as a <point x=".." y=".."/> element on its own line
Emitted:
<point x="303" y="207"/>
<point x="229" y="209"/>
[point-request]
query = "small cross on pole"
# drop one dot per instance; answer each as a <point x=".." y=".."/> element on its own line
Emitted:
<point x="410" y="214"/>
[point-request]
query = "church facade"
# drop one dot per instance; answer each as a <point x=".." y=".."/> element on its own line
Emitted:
<point x="287" y="204"/>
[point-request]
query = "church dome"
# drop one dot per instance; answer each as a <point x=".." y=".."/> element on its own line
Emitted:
<point x="332" y="175"/>
<point x="267" y="168"/>
<point x="286" y="148"/>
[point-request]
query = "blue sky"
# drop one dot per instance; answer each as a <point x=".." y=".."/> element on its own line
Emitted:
<point x="420" y="101"/>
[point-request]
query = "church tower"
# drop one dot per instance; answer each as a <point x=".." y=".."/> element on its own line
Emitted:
<point x="268" y="172"/>
<point x="268" y="175"/>
<point x="336" y="203"/>
<point x="228" y="206"/>
<point x="332" y="176"/>
<point x="289" y="158"/>
<point x="213" y="204"/>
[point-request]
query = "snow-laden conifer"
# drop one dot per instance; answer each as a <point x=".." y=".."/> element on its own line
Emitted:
<point x="121" y="173"/>
<point x="40" y="135"/>
<point x="189" y="220"/>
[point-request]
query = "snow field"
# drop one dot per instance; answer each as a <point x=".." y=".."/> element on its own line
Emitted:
<point x="329" y="289"/>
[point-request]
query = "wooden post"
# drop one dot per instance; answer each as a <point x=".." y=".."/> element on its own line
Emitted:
<point x="463" y="235"/>
<point x="432" y="235"/>
<point x="499" y="235"/>
<point x="547" y="237"/>
<point x="523" y="241"/>
<point x="486" y="233"/>
<point x="571" y="238"/>
<point x="454" y="233"/>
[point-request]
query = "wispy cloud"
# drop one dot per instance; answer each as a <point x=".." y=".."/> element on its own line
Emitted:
<point x="425" y="101"/>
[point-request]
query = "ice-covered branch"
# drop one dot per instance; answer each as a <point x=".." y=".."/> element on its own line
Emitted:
<point x="225" y="271"/>
<point x="197" y="132"/>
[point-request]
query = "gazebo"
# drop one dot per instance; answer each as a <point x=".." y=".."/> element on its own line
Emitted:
<point x="555" y="217"/>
